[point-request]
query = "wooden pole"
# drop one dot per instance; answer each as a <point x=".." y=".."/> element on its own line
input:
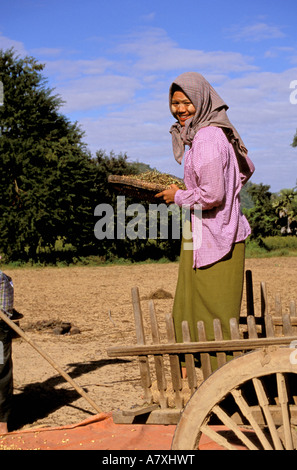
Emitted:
<point x="20" y="332"/>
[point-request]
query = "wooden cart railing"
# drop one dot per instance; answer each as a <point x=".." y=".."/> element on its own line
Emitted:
<point x="161" y="360"/>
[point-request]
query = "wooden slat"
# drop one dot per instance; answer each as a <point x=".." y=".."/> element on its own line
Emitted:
<point x="159" y="363"/>
<point x="287" y="327"/>
<point x="172" y="416"/>
<point x="293" y="313"/>
<point x="278" y="321"/>
<point x="269" y="328"/>
<point x="218" y="334"/>
<point x="199" y="347"/>
<point x="278" y="305"/>
<point x="252" y="329"/>
<point x="152" y="414"/>
<point x="189" y="359"/>
<point x="140" y="410"/>
<point x="204" y="357"/>
<point x="145" y="375"/>
<point x="278" y="313"/>
<point x="235" y="334"/>
<point x="174" y="364"/>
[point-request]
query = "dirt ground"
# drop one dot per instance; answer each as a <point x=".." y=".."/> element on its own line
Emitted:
<point x="97" y="300"/>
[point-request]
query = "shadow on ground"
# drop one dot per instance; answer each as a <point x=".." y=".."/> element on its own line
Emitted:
<point x="38" y="400"/>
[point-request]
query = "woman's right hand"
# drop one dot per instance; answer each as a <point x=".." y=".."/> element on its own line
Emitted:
<point x="168" y="194"/>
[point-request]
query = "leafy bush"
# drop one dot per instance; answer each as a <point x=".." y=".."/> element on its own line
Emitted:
<point x="278" y="242"/>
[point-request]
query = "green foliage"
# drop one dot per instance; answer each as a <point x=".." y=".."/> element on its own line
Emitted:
<point x="46" y="172"/>
<point x="280" y="243"/>
<point x="49" y="181"/>
<point x="285" y="206"/>
<point x="294" y="143"/>
<point x="261" y="216"/>
<point x="245" y="198"/>
<point x="272" y="214"/>
<point x="271" y="247"/>
<point x="137" y="249"/>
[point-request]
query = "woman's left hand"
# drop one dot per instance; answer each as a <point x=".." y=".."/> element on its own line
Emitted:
<point x="168" y="194"/>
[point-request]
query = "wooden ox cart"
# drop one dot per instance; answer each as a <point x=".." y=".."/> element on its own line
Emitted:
<point x="250" y="401"/>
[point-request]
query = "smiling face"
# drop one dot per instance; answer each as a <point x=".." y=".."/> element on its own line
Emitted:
<point x="182" y="107"/>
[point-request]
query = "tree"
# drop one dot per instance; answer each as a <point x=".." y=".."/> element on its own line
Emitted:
<point x="261" y="216"/>
<point x="285" y="206"/>
<point x="294" y="143"/>
<point x="46" y="171"/>
<point x="246" y="201"/>
<point x="106" y="165"/>
<point x="49" y="182"/>
<point x="137" y="249"/>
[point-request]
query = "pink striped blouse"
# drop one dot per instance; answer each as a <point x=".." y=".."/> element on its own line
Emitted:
<point x="213" y="181"/>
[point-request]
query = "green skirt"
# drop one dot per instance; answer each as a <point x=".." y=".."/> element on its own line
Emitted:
<point x="208" y="293"/>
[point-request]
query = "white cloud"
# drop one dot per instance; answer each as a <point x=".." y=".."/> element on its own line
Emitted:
<point x="96" y="92"/>
<point x="7" y="43"/>
<point x="47" y="51"/>
<point x="149" y="17"/>
<point x="139" y="66"/>
<point x="261" y="110"/>
<point x="277" y="51"/>
<point x="141" y="129"/>
<point x="67" y="69"/>
<point x="154" y="51"/>
<point x="256" y="32"/>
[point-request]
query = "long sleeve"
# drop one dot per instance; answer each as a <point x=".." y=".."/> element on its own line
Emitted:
<point x="207" y="167"/>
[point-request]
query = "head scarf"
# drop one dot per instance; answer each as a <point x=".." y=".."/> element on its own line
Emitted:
<point x="210" y="111"/>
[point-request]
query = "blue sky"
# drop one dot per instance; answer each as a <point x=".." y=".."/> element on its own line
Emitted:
<point x="112" y="62"/>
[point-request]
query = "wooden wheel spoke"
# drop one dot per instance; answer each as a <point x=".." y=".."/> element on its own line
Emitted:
<point x="284" y="403"/>
<point x="230" y="424"/>
<point x="264" y="404"/>
<point x="216" y="437"/>
<point x="247" y="413"/>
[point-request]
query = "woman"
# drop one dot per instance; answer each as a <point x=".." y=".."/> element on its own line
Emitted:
<point x="216" y="166"/>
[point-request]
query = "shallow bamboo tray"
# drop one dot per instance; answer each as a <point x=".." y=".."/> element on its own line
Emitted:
<point x="139" y="189"/>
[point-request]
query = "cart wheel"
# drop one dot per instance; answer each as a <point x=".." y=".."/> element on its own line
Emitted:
<point x="246" y="404"/>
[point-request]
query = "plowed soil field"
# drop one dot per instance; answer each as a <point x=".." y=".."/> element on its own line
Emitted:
<point x="97" y="300"/>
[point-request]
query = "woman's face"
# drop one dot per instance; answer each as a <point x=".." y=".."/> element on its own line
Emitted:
<point x="182" y="107"/>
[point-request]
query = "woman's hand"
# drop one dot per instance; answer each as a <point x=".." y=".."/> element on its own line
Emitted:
<point x="168" y="194"/>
